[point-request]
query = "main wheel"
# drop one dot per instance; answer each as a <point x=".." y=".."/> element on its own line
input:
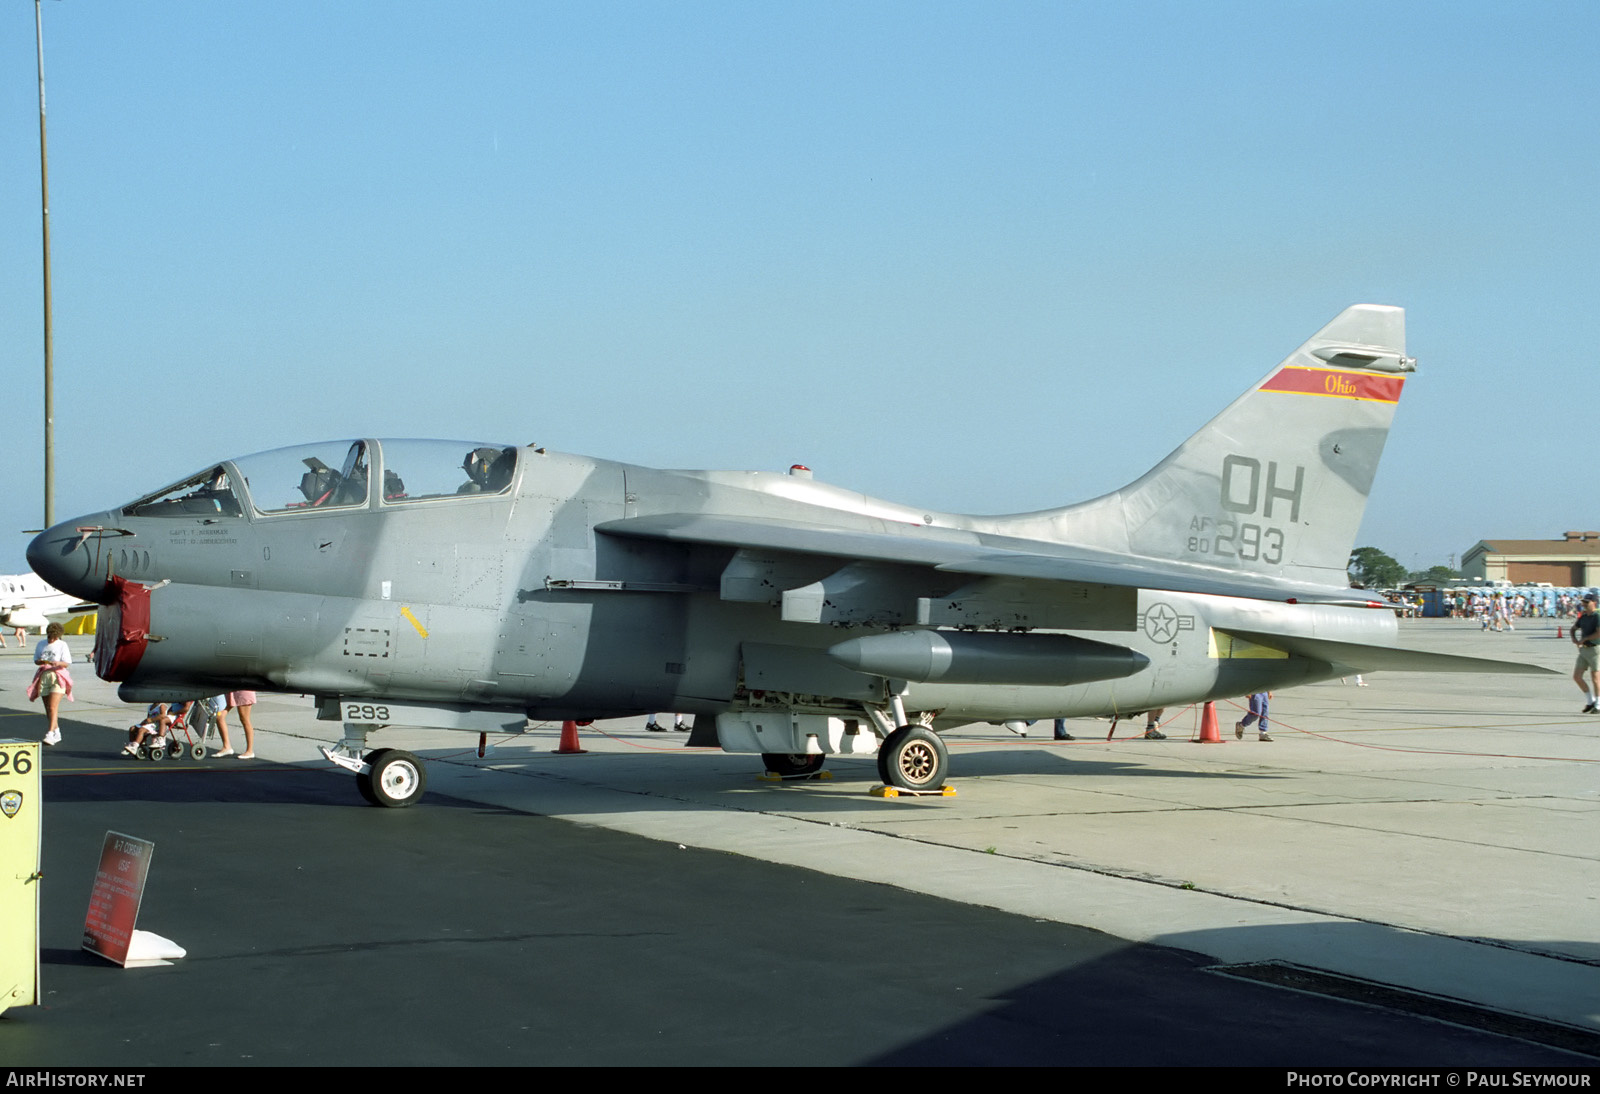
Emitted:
<point x="198" y="751"/>
<point x="913" y="758"/>
<point x="395" y="777"/>
<point x="792" y="765"/>
<point x="156" y="753"/>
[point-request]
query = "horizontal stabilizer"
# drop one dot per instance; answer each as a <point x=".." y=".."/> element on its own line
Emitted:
<point x="1358" y="657"/>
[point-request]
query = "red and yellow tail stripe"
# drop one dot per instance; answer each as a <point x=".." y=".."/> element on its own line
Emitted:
<point x="1335" y="384"/>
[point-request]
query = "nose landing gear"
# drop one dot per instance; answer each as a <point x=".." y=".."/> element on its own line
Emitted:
<point x="394" y="778"/>
<point x="390" y="777"/>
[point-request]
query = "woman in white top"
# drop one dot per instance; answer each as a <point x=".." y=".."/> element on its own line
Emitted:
<point x="52" y="655"/>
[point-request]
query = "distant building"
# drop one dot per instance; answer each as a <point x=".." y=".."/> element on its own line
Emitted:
<point x="1572" y="560"/>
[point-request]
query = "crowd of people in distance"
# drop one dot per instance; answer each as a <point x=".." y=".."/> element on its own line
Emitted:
<point x="1499" y="610"/>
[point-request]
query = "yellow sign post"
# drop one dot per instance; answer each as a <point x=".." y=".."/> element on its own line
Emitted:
<point x="21" y="830"/>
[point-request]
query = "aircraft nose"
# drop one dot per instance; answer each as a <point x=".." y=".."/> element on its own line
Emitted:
<point x="71" y="556"/>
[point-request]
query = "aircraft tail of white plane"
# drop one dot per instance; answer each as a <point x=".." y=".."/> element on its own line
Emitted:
<point x="1277" y="482"/>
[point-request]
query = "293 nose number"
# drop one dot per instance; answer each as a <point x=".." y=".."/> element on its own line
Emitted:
<point x="363" y="712"/>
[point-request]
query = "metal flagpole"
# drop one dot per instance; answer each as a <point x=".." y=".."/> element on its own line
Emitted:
<point x="49" y="348"/>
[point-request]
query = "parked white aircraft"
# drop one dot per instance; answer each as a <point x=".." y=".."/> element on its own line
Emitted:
<point x="30" y="602"/>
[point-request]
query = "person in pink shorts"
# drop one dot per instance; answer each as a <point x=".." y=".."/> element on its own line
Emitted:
<point x="241" y="701"/>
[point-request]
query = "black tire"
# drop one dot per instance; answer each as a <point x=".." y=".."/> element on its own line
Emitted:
<point x="396" y="778"/>
<point x="364" y="780"/>
<point x="792" y="765"/>
<point x="913" y="758"/>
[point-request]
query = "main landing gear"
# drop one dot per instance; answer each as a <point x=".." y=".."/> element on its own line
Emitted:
<point x="787" y="765"/>
<point x="913" y="758"/>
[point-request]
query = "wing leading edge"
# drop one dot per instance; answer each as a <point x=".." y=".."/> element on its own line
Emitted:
<point x="976" y="553"/>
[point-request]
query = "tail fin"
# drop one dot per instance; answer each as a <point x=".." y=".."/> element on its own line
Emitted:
<point x="1278" y="481"/>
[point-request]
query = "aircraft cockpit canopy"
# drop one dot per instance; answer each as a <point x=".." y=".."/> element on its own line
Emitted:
<point x="336" y="475"/>
<point x="330" y="475"/>
<point x="430" y="470"/>
<point x="210" y="493"/>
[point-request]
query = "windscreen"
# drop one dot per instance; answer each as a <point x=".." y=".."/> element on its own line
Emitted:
<point x="210" y="493"/>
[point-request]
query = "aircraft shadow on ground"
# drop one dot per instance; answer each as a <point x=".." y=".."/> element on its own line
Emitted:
<point x="1021" y="760"/>
<point x="80" y="767"/>
<point x="88" y="767"/>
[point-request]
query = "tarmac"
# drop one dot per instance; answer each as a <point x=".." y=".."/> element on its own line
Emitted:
<point x="1432" y="841"/>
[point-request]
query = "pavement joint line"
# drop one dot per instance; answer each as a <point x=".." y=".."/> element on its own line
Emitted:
<point x="1432" y="1006"/>
<point x="146" y="767"/>
<point x="1190" y="887"/>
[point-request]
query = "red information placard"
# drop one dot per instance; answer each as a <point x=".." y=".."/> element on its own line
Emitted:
<point x="118" y="889"/>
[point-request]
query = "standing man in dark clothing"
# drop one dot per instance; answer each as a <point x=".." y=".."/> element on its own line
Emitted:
<point x="1586" y="635"/>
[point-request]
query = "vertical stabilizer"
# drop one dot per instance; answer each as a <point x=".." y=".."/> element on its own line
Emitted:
<point x="1278" y="481"/>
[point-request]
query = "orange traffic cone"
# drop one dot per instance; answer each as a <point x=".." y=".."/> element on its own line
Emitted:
<point x="1558" y="630"/>
<point x="569" y="741"/>
<point x="1208" y="726"/>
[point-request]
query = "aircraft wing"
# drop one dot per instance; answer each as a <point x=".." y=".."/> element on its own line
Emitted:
<point x="982" y="555"/>
<point x="1358" y="657"/>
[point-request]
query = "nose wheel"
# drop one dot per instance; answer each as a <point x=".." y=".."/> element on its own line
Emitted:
<point x="390" y="777"/>
<point x="393" y="779"/>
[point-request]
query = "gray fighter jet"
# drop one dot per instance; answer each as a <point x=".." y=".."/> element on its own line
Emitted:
<point x="471" y="586"/>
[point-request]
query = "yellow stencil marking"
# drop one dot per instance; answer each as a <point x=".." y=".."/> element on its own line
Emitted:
<point x="1226" y="647"/>
<point x="413" y="620"/>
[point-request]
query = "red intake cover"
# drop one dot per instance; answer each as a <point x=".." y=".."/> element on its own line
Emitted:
<point x="121" y="630"/>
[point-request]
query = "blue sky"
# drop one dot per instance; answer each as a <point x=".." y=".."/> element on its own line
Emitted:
<point x="977" y="257"/>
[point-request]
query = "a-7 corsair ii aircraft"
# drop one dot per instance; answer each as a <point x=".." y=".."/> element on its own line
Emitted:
<point x="402" y="585"/>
